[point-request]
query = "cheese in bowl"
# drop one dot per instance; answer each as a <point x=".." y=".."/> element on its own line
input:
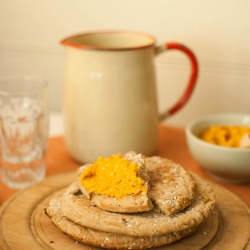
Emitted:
<point x="227" y="135"/>
<point x="220" y="145"/>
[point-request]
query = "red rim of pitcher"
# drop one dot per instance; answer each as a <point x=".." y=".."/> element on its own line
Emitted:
<point x="93" y="47"/>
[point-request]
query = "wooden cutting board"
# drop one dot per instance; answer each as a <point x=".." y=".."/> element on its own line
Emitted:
<point x="24" y="224"/>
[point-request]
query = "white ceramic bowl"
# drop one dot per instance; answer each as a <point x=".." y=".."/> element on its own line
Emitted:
<point x="222" y="163"/>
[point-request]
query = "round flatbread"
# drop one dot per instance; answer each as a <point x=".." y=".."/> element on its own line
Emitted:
<point x="107" y="240"/>
<point x="76" y="207"/>
<point x="172" y="187"/>
<point x="127" y="204"/>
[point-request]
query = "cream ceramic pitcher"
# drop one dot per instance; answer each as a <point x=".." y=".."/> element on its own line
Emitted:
<point x="110" y="102"/>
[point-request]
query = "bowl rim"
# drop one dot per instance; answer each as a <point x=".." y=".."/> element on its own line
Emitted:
<point x="194" y="122"/>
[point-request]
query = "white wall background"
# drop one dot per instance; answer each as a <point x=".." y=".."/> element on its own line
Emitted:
<point x="217" y="31"/>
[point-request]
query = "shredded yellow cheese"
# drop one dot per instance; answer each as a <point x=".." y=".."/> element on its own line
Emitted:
<point x="113" y="176"/>
<point x="228" y="136"/>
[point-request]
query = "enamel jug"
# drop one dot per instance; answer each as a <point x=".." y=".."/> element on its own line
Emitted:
<point x="110" y="101"/>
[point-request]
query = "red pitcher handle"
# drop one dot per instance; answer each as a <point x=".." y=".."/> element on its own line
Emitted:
<point x="192" y="79"/>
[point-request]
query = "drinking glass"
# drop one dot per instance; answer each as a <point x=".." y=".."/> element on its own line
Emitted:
<point x="24" y="120"/>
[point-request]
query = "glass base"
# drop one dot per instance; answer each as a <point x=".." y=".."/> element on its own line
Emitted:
<point x="22" y="178"/>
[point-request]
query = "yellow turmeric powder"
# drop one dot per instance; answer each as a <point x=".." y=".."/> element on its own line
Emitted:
<point x="222" y="135"/>
<point x="113" y="176"/>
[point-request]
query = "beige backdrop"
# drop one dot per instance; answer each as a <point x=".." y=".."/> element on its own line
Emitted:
<point x="217" y="31"/>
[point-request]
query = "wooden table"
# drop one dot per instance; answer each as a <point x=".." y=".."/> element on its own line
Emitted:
<point x="172" y="145"/>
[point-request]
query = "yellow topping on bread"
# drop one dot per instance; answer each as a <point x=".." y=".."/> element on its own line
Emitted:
<point x="113" y="176"/>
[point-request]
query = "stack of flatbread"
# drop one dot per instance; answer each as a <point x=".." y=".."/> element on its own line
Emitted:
<point x="175" y="204"/>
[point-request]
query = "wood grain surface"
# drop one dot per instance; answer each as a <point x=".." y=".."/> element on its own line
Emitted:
<point x="24" y="224"/>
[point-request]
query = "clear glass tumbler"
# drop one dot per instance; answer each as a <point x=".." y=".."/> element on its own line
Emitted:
<point x="24" y="122"/>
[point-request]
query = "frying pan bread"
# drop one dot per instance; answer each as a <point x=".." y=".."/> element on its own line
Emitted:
<point x="181" y="201"/>
<point x="104" y="239"/>
<point x="127" y="204"/>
